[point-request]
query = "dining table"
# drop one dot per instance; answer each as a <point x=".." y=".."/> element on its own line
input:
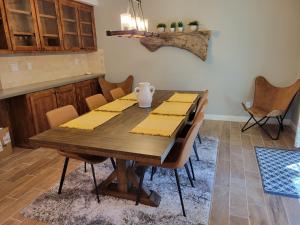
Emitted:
<point x="113" y="139"/>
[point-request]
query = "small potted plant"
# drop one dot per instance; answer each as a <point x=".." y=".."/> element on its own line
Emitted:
<point x="173" y="27"/>
<point x="161" y="27"/>
<point x="194" y="25"/>
<point x="180" y="26"/>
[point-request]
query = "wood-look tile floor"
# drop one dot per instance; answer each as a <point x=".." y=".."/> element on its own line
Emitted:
<point x="238" y="197"/>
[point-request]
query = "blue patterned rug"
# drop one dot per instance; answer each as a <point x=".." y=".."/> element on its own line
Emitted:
<point x="280" y="171"/>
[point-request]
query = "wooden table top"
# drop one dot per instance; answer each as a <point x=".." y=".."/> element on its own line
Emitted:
<point x="113" y="139"/>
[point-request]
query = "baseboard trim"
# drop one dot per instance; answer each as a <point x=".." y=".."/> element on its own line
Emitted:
<point x="287" y="122"/>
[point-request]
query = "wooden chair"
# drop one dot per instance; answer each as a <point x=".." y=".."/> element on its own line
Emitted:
<point x="108" y="86"/>
<point x="95" y="101"/>
<point x="62" y="115"/>
<point x="270" y="102"/>
<point x="177" y="158"/>
<point x="117" y="93"/>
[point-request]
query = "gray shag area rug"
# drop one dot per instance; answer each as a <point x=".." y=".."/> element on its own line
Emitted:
<point x="77" y="205"/>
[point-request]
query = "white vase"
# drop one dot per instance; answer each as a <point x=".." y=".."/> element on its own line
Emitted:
<point x="180" y="29"/>
<point x="193" y="27"/>
<point x="144" y="93"/>
<point x="172" y="29"/>
<point x="161" y="29"/>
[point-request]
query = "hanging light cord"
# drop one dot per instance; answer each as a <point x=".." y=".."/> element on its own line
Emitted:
<point x="142" y="13"/>
<point x="134" y="13"/>
<point x="137" y="12"/>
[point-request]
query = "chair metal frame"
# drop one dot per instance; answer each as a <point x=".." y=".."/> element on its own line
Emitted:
<point x="279" y="119"/>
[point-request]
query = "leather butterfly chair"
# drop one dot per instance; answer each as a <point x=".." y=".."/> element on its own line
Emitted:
<point x="108" y="86"/>
<point x="176" y="159"/>
<point x="270" y="102"/>
<point x="95" y="101"/>
<point x="117" y="93"/>
<point x="60" y="116"/>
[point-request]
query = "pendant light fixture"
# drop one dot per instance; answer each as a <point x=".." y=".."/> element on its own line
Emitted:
<point x="133" y="23"/>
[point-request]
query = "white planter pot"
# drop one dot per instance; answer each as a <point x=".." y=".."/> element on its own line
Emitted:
<point x="193" y="27"/>
<point x="161" y="29"/>
<point x="180" y="29"/>
<point x="172" y="29"/>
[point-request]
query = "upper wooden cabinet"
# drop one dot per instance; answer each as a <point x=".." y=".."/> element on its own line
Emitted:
<point x="23" y="28"/>
<point x="46" y="25"/>
<point x="78" y="26"/>
<point x="5" y="44"/>
<point x="70" y="25"/>
<point x="87" y="27"/>
<point x="49" y="24"/>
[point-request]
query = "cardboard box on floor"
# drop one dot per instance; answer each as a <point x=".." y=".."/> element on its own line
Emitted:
<point x="5" y="142"/>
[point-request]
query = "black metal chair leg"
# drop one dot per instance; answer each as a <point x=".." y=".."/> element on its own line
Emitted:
<point x="113" y="163"/>
<point x="189" y="174"/>
<point x="199" y="137"/>
<point x="85" y="167"/>
<point x="266" y="131"/>
<point x="153" y="171"/>
<point x="179" y="190"/>
<point x="192" y="168"/>
<point x="95" y="182"/>
<point x="63" y="174"/>
<point x="256" y="123"/>
<point x="195" y="150"/>
<point x="138" y="196"/>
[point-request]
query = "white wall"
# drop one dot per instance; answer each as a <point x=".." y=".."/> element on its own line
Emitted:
<point x="250" y="37"/>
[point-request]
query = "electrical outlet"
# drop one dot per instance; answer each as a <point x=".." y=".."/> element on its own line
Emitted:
<point x="14" y="67"/>
<point x="29" y="66"/>
<point x="248" y="104"/>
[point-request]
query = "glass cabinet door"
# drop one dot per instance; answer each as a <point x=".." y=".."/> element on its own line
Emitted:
<point x="22" y="24"/>
<point x="5" y="45"/>
<point x="49" y="24"/>
<point x="70" y="25"/>
<point x="87" y="27"/>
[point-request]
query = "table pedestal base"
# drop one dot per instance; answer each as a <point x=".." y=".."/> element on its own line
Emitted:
<point x="127" y="185"/>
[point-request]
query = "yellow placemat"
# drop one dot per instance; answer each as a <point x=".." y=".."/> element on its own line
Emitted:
<point x="183" y="97"/>
<point x="172" y="108"/>
<point x="90" y="120"/>
<point x="131" y="96"/>
<point x="116" y="106"/>
<point x="159" y="125"/>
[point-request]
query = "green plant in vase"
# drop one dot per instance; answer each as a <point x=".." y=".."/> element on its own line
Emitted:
<point x="173" y="27"/>
<point x="194" y="25"/>
<point x="180" y="26"/>
<point x="161" y="27"/>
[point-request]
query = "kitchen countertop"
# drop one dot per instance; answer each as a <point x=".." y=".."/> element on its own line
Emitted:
<point x="22" y="90"/>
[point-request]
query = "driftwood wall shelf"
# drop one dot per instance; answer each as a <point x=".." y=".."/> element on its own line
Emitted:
<point x="195" y="42"/>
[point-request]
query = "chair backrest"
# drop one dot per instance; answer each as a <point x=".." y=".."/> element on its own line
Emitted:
<point x="187" y="144"/>
<point x="95" y="101"/>
<point x="202" y="102"/>
<point x="108" y="86"/>
<point x="117" y="93"/>
<point x="269" y="98"/>
<point x="61" y="115"/>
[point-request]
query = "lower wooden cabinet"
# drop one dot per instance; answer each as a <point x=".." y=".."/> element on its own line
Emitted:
<point x="41" y="103"/>
<point x="66" y="95"/>
<point x="83" y="90"/>
<point x="28" y="112"/>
